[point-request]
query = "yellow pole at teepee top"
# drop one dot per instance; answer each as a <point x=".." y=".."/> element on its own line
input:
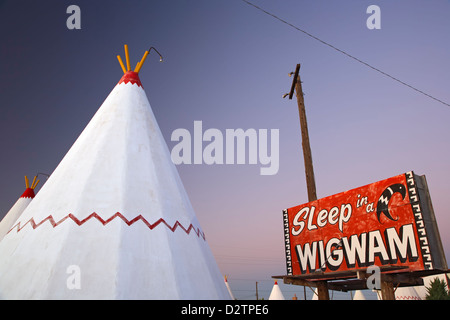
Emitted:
<point x="139" y="64"/>
<point x="127" y="57"/>
<point x="33" y="184"/>
<point x="121" y="64"/>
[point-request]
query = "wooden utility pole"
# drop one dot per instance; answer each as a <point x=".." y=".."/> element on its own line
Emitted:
<point x="257" y="298"/>
<point x="322" y="287"/>
<point x="309" y="170"/>
<point x="387" y="290"/>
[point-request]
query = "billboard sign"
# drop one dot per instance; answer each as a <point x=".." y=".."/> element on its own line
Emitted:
<point x="390" y="222"/>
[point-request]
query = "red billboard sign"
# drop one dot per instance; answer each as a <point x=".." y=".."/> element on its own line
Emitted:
<point x="390" y="222"/>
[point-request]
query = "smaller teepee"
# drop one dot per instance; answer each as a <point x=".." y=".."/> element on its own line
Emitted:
<point x="315" y="295"/>
<point x="229" y="289"/>
<point x="276" y="293"/>
<point x="406" y="293"/>
<point x="17" y="209"/>
<point x="359" y="295"/>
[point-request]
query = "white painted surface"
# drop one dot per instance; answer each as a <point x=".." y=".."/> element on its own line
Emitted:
<point x="359" y="295"/>
<point x="229" y="289"/>
<point x="276" y="293"/>
<point x="406" y="293"/>
<point x="13" y="214"/>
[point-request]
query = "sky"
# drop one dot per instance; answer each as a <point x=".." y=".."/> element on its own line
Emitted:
<point x="226" y="64"/>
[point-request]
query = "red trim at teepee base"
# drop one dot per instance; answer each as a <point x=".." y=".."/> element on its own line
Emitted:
<point x="407" y="298"/>
<point x="105" y="222"/>
<point x="28" y="193"/>
<point x="131" y="77"/>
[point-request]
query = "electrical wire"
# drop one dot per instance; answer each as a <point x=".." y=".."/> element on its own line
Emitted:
<point x="345" y="53"/>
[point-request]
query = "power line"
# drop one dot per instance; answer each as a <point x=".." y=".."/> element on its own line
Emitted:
<point x="345" y="53"/>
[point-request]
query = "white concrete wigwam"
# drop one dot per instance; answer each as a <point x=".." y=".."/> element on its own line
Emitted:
<point x="406" y="293"/>
<point x="228" y="288"/>
<point x="16" y="210"/>
<point x="276" y="293"/>
<point x="113" y="221"/>
<point x="315" y="295"/>
<point x="359" y="295"/>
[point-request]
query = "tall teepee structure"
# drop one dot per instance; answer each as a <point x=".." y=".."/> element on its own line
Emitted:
<point x="113" y="221"/>
<point x="18" y="207"/>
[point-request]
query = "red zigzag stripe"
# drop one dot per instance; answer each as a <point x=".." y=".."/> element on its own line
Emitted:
<point x="407" y="298"/>
<point x="105" y="222"/>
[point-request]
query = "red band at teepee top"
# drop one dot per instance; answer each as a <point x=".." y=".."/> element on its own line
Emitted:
<point x="132" y="77"/>
<point x="29" y="193"/>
